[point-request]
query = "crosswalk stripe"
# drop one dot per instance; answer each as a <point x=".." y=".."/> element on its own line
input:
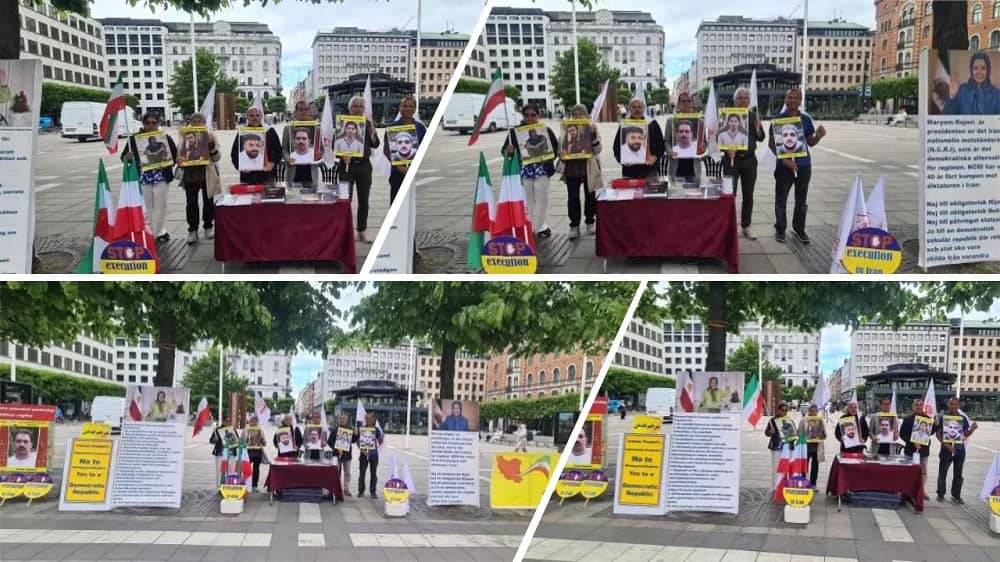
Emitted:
<point x="891" y="526"/>
<point x="430" y="540"/>
<point x="312" y="540"/>
<point x="103" y="536"/>
<point x="309" y="513"/>
<point x="47" y="186"/>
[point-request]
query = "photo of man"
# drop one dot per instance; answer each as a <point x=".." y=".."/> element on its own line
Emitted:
<point x="23" y="448"/>
<point x="367" y="439"/>
<point x="455" y="415"/>
<point x="791" y="138"/>
<point x="886" y="430"/>
<point x="786" y="426"/>
<point x="687" y="143"/>
<point x="303" y="143"/>
<point x="252" y="154"/>
<point x="582" y="452"/>
<point x="285" y="444"/>
<point x="154" y="152"/>
<point x="345" y="436"/>
<point x="194" y="149"/>
<point x="849" y="431"/>
<point x="350" y="136"/>
<point x="952" y="430"/>
<point x="733" y="130"/>
<point x="403" y="144"/>
<point x="254" y="437"/>
<point x="314" y="438"/>
<point x="921" y="431"/>
<point x="533" y="141"/>
<point x="815" y="431"/>
<point x="633" y="148"/>
<point x="576" y="140"/>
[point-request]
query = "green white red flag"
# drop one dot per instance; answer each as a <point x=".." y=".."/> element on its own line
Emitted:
<point x="104" y="216"/>
<point x="495" y="97"/>
<point x="130" y="221"/>
<point x="109" y="121"/>
<point x="484" y="212"/>
<point x="512" y="214"/>
<point x="753" y="402"/>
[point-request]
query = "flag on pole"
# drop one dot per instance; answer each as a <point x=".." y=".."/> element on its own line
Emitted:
<point x="800" y="459"/>
<point x="208" y="107"/>
<point x="104" y="216"/>
<point x="892" y="403"/>
<point x="711" y="148"/>
<point x="484" y="212"/>
<point x="360" y="414"/>
<point x="382" y="163"/>
<point x="875" y="206"/>
<point x="753" y="402"/>
<point x="853" y="217"/>
<point x="495" y="97"/>
<point x="930" y="400"/>
<point x="595" y="112"/>
<point x="368" y="99"/>
<point x="295" y="422"/>
<point x="326" y="132"/>
<point x="109" y="121"/>
<point x="258" y="102"/>
<point x="246" y="468"/>
<point x="822" y="393"/>
<point x="394" y="472"/>
<point x="201" y="416"/>
<point x="408" y="478"/>
<point x="130" y="223"/>
<point x="323" y="424"/>
<point x="512" y="214"/>
<point x="262" y="411"/>
<point x="992" y="481"/>
<point x="135" y="408"/>
<point x="781" y="474"/>
<point x="753" y="89"/>
<point x="687" y="393"/>
<point x="378" y="427"/>
<point x="639" y="95"/>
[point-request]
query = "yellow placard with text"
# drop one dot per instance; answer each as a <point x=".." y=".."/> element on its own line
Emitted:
<point x="395" y="496"/>
<point x="518" y="480"/>
<point x="995" y="504"/>
<point x="642" y="469"/>
<point x="233" y="491"/>
<point x="35" y="490"/>
<point x="590" y="489"/>
<point x="568" y="488"/>
<point x="647" y="424"/>
<point x="93" y="430"/>
<point x="10" y="490"/>
<point x="89" y="470"/>
<point x="798" y="497"/>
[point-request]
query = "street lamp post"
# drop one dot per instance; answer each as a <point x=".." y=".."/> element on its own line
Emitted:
<point x="409" y="393"/>
<point x="194" y="67"/>
<point x="576" y="63"/>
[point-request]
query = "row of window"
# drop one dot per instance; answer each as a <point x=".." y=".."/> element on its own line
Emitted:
<point x="349" y="58"/>
<point x="64" y="17"/>
<point x="645" y="331"/>
<point x="183" y="50"/>
<point x="642" y="347"/>
<point x="363" y="45"/>
<point x="638" y="363"/>
<point x="63" y="36"/>
<point x="624" y="40"/>
<point x="57" y="361"/>
<point x="33" y="47"/>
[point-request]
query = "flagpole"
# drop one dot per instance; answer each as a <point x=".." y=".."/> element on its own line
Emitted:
<point x="409" y="393"/>
<point x="805" y="51"/>
<point x="576" y="53"/>
<point x="760" y="359"/>
<point x="416" y="78"/>
<point x="222" y="351"/>
<point x="961" y="353"/>
<point x="194" y="72"/>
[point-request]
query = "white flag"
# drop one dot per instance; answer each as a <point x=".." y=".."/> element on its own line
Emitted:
<point x="368" y="99"/>
<point x="394" y="472"/>
<point x="712" y="126"/>
<point x="992" y="481"/>
<point x="753" y="89"/>
<point x="930" y="400"/>
<point x="822" y="393"/>
<point x="639" y="95"/>
<point x="408" y="478"/>
<point x="295" y="422"/>
<point x="360" y="414"/>
<point x="595" y="113"/>
<point x="876" y="206"/>
<point x="326" y="132"/>
<point x="322" y="420"/>
<point x="208" y="107"/>
<point x="854" y="216"/>
<point x="258" y="102"/>
<point x="892" y="403"/>
<point x="263" y="412"/>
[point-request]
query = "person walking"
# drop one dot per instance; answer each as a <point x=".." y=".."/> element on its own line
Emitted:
<point x="953" y="454"/>
<point x="203" y="181"/>
<point x="794" y="172"/>
<point x="814" y="450"/>
<point x="741" y="165"/>
<point x="906" y="432"/>
<point x="357" y="171"/>
<point x="368" y="458"/>
<point x="298" y="140"/>
<point x="535" y="176"/>
<point x="583" y="173"/>
<point x="154" y="182"/>
<point x="407" y="109"/>
<point x="522" y="438"/>
<point x="634" y="139"/>
<point x="272" y="148"/>
<point x="343" y="457"/>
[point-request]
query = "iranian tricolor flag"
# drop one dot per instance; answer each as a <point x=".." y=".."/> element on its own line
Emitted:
<point x="512" y="215"/>
<point x="484" y="212"/>
<point x="135" y="408"/>
<point x="104" y="216"/>
<point x="800" y="457"/>
<point x="687" y="393"/>
<point x="494" y="98"/>
<point x="753" y="402"/>
<point x="109" y="121"/>
<point x="201" y="418"/>
<point x="130" y="222"/>
<point x="782" y="472"/>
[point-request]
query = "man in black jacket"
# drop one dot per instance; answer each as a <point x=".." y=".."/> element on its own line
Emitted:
<point x="654" y="140"/>
<point x="860" y="423"/>
<point x="742" y="164"/>
<point x="272" y="150"/>
<point x="906" y="433"/>
<point x="358" y="171"/>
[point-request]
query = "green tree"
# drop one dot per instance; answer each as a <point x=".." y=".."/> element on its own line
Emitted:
<point x="625" y="94"/>
<point x="55" y="94"/>
<point x="522" y="318"/>
<point x="594" y="71"/>
<point x="797" y="392"/>
<point x="202" y="377"/>
<point x="209" y="72"/>
<point x="702" y="96"/>
<point x="277" y="104"/>
<point x="621" y="382"/>
<point x="528" y="409"/>
<point x="241" y="104"/>
<point x="281" y="405"/>
<point x="658" y="96"/>
<point x="52" y="387"/>
<point x="254" y="317"/>
<point x="318" y="104"/>
<point x="471" y="86"/>
<point x="744" y="359"/>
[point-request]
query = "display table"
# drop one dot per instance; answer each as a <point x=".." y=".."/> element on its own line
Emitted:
<point x="903" y="479"/>
<point x="276" y="232"/>
<point x="282" y="476"/>
<point x="662" y="228"/>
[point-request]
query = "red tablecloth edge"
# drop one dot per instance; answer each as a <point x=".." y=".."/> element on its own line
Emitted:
<point x="838" y="485"/>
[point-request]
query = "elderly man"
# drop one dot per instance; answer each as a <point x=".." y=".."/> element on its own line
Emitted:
<point x="368" y="458"/>
<point x="906" y="430"/>
<point x="683" y="155"/>
<point x="24" y="453"/>
<point x="271" y="147"/>
<point x="794" y="172"/>
<point x="297" y="150"/>
<point x="654" y="143"/>
<point x="742" y="164"/>
<point x="952" y="454"/>
<point x="357" y="171"/>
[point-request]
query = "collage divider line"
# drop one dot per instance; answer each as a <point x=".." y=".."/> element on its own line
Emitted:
<point x="564" y="457"/>
<point x="411" y="176"/>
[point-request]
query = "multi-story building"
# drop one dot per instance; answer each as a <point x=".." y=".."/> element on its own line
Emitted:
<point x="440" y="53"/>
<point x="839" y="54"/>
<point x="684" y="346"/>
<point x="516" y="41"/>
<point x="307" y="399"/>
<point x="641" y="348"/>
<point x="477" y="68"/>
<point x="136" y="360"/>
<point x="346" y="368"/>
<point x="682" y="84"/>
<point x="974" y="352"/>
<point x="797" y="353"/>
<point x="69" y="46"/>
<point x="631" y="42"/>
<point x="875" y="347"/>
<point x="731" y="40"/>
<point x="840" y="382"/>
<point x="135" y="51"/>
<point x="246" y="51"/>
<point x="470" y="376"/>
<point x="270" y="373"/>
<point x="545" y="374"/>
<point x="85" y="357"/>
<point x="345" y="51"/>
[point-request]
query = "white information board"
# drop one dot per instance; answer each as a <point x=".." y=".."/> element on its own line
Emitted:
<point x="703" y="464"/>
<point x="453" y="468"/>
<point x="20" y="98"/>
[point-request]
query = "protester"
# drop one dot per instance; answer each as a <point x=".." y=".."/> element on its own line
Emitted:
<point x="742" y="164"/>
<point x="272" y="148"/>
<point x="952" y="454"/>
<point x="204" y="181"/>
<point x="978" y="96"/>
<point x="585" y="173"/>
<point x="254" y="437"/>
<point x="153" y="183"/>
<point x="621" y="410"/>
<point x="288" y="440"/>
<point x="815" y="451"/>
<point x="521" y="435"/>
<point x="357" y="171"/>
<point x="343" y="457"/>
<point x="683" y="163"/>
<point x="407" y="108"/>
<point x="906" y="432"/>
<point x="795" y="172"/>
<point x="774" y="442"/>
<point x="878" y="425"/>
<point x="221" y="436"/>
<point x="534" y="177"/>
<point x="307" y="174"/>
<point x="654" y="144"/>
<point x="860" y="422"/>
<point x="368" y="459"/>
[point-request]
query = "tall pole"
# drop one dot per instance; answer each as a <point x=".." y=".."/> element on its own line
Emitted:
<point x="194" y="76"/>
<point x="576" y="61"/>
<point x="805" y="51"/>
<point x="961" y="353"/>
<point x="420" y="57"/>
<point x="583" y="382"/>
<point x="760" y="358"/>
<point x="13" y="361"/>
<point x="222" y="353"/>
<point x="409" y="392"/>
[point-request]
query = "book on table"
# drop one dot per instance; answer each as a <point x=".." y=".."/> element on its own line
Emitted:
<point x="273" y="194"/>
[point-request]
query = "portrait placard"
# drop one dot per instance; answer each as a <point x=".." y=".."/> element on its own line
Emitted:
<point x="154" y="150"/>
<point x="349" y="140"/>
<point x="634" y="148"/>
<point x="253" y="149"/>
<point x="733" y="128"/>
<point x="789" y="137"/>
<point x="403" y="144"/>
<point x="576" y="140"/>
<point x="686" y="129"/>
<point x="194" y="149"/>
<point x="533" y="140"/>
<point x="306" y="148"/>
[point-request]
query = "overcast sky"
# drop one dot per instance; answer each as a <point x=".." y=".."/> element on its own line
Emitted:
<point x="680" y="19"/>
<point x="295" y="22"/>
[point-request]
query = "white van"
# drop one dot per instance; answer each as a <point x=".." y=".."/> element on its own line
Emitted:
<point x="81" y="120"/>
<point x="109" y="410"/>
<point x="660" y="402"/>
<point x="463" y="111"/>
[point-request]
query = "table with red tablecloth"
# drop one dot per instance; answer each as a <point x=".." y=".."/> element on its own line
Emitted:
<point x="286" y="475"/>
<point x="903" y="479"/>
<point x="285" y="232"/>
<point x="664" y="228"/>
